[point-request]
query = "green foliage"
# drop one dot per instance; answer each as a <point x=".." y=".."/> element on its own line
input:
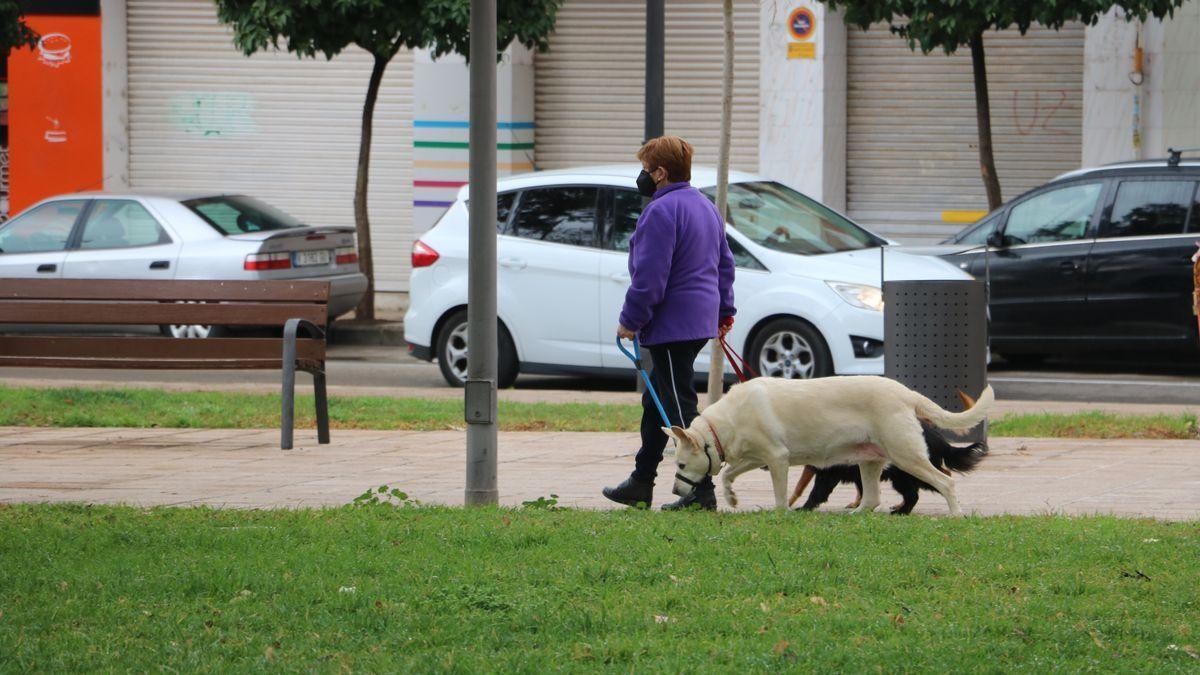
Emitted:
<point x="385" y="496"/>
<point x="423" y="590"/>
<point x="381" y="27"/>
<point x="950" y="24"/>
<point x="542" y="503"/>
<point x="14" y="33"/>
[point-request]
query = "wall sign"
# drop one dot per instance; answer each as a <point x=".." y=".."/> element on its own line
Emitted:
<point x="802" y="23"/>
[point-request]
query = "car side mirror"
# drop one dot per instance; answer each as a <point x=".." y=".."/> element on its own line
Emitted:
<point x="996" y="240"/>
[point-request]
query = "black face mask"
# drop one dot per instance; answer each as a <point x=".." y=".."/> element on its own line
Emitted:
<point x="645" y="184"/>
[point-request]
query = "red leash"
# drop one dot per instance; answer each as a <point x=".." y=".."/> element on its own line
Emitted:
<point x="734" y="359"/>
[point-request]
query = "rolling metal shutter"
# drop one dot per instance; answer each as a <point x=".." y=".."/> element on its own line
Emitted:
<point x="912" y="145"/>
<point x="590" y="85"/>
<point x="204" y="117"/>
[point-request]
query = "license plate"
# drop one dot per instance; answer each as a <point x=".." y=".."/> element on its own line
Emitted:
<point x="309" y="258"/>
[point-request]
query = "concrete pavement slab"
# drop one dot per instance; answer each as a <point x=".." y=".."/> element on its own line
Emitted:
<point x="232" y="468"/>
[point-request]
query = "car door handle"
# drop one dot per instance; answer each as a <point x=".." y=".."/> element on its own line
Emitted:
<point x="619" y="277"/>
<point x="1068" y="266"/>
<point x="513" y="263"/>
<point x="160" y="265"/>
<point x="47" y="267"/>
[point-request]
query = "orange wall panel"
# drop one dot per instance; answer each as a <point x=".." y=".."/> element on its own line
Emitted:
<point x="56" y="127"/>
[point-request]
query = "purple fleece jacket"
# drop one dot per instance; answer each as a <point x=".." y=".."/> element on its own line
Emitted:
<point x="681" y="269"/>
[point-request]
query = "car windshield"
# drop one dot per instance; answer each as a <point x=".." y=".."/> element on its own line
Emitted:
<point x="238" y="214"/>
<point x="779" y="218"/>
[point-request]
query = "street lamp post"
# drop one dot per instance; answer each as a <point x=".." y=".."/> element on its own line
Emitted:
<point x="480" y="394"/>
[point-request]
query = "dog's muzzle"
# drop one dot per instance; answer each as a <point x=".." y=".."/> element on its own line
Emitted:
<point x="695" y="484"/>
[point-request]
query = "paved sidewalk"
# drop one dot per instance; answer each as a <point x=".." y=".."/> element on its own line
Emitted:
<point x="238" y="468"/>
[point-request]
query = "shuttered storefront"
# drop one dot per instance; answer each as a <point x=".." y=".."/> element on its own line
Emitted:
<point x="286" y="130"/>
<point x="912" y="145"/>
<point x="590" y="85"/>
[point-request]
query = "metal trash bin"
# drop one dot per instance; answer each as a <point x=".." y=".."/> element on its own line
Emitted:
<point x="935" y="341"/>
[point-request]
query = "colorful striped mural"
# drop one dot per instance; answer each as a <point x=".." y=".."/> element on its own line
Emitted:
<point x="440" y="162"/>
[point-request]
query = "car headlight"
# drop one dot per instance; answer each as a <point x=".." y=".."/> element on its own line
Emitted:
<point x="858" y="295"/>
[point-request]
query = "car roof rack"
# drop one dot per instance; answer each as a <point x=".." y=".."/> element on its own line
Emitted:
<point x="1174" y="156"/>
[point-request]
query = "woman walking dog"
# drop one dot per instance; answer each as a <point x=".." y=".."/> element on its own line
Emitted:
<point x="680" y="296"/>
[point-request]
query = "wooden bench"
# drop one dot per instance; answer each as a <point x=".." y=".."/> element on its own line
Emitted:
<point x="293" y="305"/>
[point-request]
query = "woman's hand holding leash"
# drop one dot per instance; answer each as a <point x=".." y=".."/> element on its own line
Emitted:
<point x="624" y="333"/>
<point x="724" y="327"/>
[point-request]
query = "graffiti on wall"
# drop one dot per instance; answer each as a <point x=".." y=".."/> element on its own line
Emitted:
<point x="214" y="114"/>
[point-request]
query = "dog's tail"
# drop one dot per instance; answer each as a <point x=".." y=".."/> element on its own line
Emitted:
<point x="975" y="413"/>
<point x="959" y="458"/>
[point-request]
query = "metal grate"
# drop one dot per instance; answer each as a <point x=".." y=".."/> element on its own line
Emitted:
<point x="935" y="340"/>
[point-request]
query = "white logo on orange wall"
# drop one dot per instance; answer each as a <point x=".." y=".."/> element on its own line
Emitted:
<point x="54" y="49"/>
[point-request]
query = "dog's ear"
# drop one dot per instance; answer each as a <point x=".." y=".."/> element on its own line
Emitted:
<point x="678" y="433"/>
<point x="967" y="401"/>
<point x="696" y="439"/>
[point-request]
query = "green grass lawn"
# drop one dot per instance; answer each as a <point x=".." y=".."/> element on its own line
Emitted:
<point x="437" y="589"/>
<point x="151" y="408"/>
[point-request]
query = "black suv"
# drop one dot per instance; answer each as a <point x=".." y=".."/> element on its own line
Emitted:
<point x="1096" y="259"/>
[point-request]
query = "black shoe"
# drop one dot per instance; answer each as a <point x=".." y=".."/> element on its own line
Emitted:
<point x="699" y="499"/>
<point x="633" y="492"/>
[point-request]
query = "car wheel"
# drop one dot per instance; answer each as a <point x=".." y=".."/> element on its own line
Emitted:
<point x="188" y="331"/>
<point x="790" y="348"/>
<point x="452" y="353"/>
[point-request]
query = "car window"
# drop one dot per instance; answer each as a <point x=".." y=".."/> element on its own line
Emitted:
<point x="627" y="208"/>
<point x="565" y="215"/>
<point x="1148" y="207"/>
<point x="238" y="214"/>
<point x="504" y="204"/>
<point x="741" y="257"/>
<point x="121" y="223"/>
<point x="1058" y="215"/>
<point x="41" y="229"/>
<point x="977" y="234"/>
<point x="775" y="216"/>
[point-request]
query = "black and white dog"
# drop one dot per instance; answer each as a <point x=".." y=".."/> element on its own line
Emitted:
<point x="942" y="454"/>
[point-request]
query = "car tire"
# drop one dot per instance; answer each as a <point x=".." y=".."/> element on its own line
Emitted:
<point x="451" y="348"/>
<point x="791" y="348"/>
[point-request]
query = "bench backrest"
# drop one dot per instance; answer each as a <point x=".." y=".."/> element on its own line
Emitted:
<point x="138" y="302"/>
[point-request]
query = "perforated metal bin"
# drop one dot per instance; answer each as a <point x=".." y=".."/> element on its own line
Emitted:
<point x="935" y="341"/>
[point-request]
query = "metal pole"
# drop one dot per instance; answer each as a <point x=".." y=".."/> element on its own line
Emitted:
<point x="716" y="365"/>
<point x="655" y="97"/>
<point x="656" y="76"/>
<point x="480" y="395"/>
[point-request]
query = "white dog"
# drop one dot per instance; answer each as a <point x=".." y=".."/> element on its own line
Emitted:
<point x="869" y="421"/>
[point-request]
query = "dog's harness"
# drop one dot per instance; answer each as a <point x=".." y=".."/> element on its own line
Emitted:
<point x="707" y="456"/>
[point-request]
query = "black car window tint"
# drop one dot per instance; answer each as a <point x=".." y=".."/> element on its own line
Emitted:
<point x="1150" y="207"/>
<point x="42" y="229"/>
<point x="504" y="204"/>
<point x="1061" y="214"/>
<point x="627" y="208"/>
<point x="564" y="215"/>
<point x="121" y="223"/>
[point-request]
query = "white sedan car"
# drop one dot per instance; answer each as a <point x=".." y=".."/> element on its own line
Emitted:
<point x="807" y="288"/>
<point x="179" y="236"/>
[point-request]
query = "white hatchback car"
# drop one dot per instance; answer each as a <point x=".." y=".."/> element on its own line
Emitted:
<point x="149" y="236"/>
<point x="807" y="289"/>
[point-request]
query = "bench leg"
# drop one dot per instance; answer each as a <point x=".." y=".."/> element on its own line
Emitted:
<point x="288" y="412"/>
<point x="322" y="406"/>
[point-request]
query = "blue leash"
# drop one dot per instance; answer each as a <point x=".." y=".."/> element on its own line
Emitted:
<point x="636" y="357"/>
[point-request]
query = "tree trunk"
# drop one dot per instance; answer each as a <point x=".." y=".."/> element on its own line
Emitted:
<point x="362" y="224"/>
<point x="983" y="114"/>
<point x="716" y="368"/>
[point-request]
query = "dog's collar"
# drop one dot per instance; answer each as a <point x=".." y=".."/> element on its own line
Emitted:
<point x="716" y="439"/>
